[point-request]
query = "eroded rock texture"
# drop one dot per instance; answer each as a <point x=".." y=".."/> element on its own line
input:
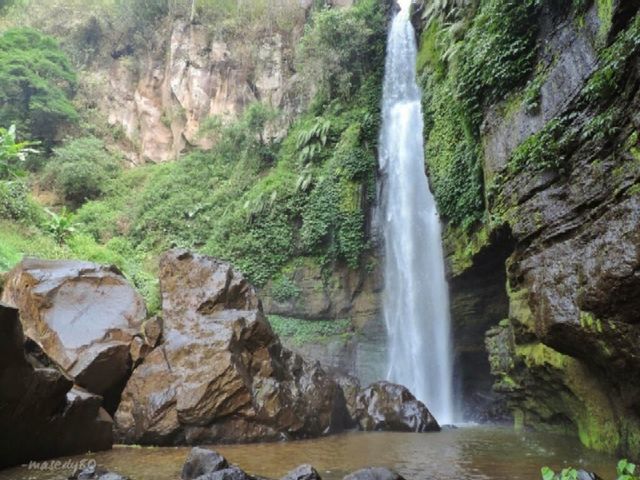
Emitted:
<point x="84" y="316"/>
<point x="567" y="357"/>
<point x="42" y="414"/>
<point x="385" y="406"/>
<point x="221" y="375"/>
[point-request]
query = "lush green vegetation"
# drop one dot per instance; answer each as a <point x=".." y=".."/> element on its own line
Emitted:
<point x="36" y="84"/>
<point x="472" y="54"/>
<point x="252" y="200"/>
<point x="624" y="471"/>
<point x="80" y="169"/>
<point x="310" y="331"/>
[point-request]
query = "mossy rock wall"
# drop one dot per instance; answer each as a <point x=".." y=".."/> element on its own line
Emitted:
<point x="555" y="152"/>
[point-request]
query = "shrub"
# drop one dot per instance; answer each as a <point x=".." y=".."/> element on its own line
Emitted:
<point x="15" y="203"/>
<point x="80" y="170"/>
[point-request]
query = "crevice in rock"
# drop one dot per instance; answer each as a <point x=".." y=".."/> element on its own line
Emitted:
<point x="479" y="301"/>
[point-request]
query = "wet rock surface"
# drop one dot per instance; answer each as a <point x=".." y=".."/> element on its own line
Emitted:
<point x="303" y="472"/>
<point x="204" y="464"/>
<point x="221" y="374"/>
<point x="389" y="407"/>
<point x="96" y="473"/>
<point x="566" y="356"/>
<point x="374" y="474"/>
<point x="42" y="414"/>
<point x="84" y="316"/>
<point x="202" y="461"/>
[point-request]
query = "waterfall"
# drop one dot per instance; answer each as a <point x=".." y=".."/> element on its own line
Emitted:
<point x="415" y="300"/>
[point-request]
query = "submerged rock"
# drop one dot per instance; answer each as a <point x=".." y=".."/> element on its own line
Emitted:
<point x="202" y="461"/>
<point x="42" y="414"/>
<point x="221" y="374"/>
<point x="390" y="407"/>
<point x="96" y="473"/>
<point x="84" y="316"/>
<point x="303" y="472"/>
<point x="374" y="474"/>
<point x="204" y="464"/>
<point x="584" y="475"/>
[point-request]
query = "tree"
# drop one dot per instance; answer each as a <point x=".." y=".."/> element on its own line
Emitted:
<point x="37" y="82"/>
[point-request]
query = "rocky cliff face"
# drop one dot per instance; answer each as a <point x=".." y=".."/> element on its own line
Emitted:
<point x="159" y="98"/>
<point x="562" y="184"/>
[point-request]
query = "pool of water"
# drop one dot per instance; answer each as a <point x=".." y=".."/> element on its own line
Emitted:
<point x="470" y="453"/>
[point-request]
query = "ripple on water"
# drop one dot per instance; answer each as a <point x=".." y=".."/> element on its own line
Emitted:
<point x="470" y="453"/>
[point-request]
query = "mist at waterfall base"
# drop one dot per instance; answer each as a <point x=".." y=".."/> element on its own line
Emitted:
<point x="415" y="300"/>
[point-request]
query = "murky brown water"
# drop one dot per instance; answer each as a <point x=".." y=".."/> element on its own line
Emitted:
<point x="473" y="453"/>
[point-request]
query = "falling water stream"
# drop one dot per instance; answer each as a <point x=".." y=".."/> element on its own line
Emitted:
<point x="416" y="303"/>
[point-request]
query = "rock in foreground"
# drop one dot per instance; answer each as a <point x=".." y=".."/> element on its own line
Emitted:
<point x="374" y="474"/>
<point x="204" y="464"/>
<point x="390" y="407"/>
<point x="42" y="415"/>
<point x="221" y="374"/>
<point x="303" y="472"/>
<point x="84" y="316"/>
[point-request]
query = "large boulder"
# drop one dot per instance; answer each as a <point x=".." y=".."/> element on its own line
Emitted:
<point x="42" y="414"/>
<point x="390" y="407"/>
<point x="221" y="374"/>
<point x="84" y="316"/>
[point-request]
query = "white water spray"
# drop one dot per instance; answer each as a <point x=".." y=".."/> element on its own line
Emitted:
<point x="416" y="301"/>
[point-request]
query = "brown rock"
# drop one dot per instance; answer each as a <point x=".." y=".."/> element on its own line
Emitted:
<point x="83" y="315"/>
<point x="390" y="407"/>
<point x="221" y="373"/>
<point x="139" y="350"/>
<point x="42" y="415"/>
<point x="351" y="389"/>
<point x="152" y="331"/>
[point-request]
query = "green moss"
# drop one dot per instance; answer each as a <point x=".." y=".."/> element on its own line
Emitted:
<point x="452" y="157"/>
<point x="537" y="355"/>
<point x="310" y="331"/>
<point x="605" y="15"/>
<point x="465" y="245"/>
<point x="430" y="54"/>
<point x="590" y="322"/>
<point x="593" y="412"/>
<point x="634" y="190"/>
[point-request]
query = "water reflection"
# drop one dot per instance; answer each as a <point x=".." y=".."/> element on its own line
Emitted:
<point x="472" y="453"/>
